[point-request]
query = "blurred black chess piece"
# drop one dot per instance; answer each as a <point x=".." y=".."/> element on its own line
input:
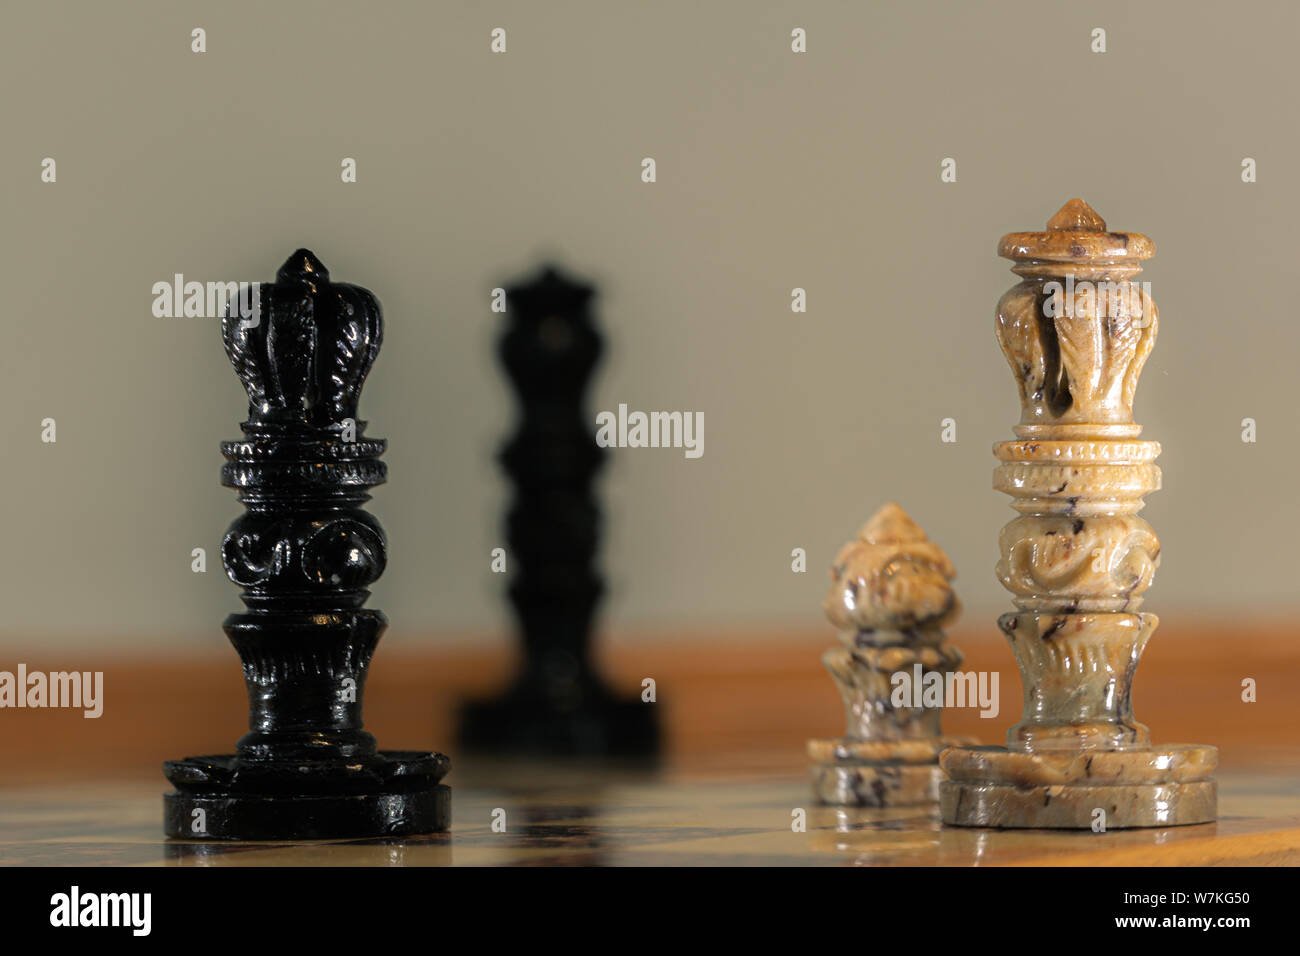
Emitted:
<point x="558" y="705"/>
<point x="304" y="553"/>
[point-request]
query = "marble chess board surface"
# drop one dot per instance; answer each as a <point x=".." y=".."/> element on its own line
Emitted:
<point x="670" y="818"/>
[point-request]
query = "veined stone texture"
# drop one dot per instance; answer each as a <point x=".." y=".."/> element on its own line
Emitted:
<point x="890" y="596"/>
<point x="1076" y="332"/>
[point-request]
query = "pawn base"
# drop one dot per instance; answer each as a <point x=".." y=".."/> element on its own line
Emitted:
<point x="871" y="773"/>
<point x="1152" y="787"/>
<point x="394" y="793"/>
<point x="876" y="785"/>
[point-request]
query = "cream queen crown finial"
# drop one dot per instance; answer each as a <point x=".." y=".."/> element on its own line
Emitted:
<point x="1078" y="328"/>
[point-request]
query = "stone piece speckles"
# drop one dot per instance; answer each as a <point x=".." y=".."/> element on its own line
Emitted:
<point x="1077" y="561"/>
<point x="1173" y="764"/>
<point x="1075" y="807"/>
<point x="890" y="597"/>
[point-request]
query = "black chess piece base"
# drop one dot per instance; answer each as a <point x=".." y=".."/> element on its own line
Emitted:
<point x="523" y="722"/>
<point x="390" y="793"/>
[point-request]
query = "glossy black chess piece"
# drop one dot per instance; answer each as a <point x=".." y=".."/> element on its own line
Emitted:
<point x="304" y="553"/>
<point x="558" y="705"/>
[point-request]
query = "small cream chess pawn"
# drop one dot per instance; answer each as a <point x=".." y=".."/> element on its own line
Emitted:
<point x="1077" y="559"/>
<point x="890" y="597"/>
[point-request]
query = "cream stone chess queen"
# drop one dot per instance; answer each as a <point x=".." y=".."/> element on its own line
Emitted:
<point x="1078" y="559"/>
<point x="890" y="598"/>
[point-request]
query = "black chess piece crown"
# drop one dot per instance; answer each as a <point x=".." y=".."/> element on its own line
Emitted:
<point x="558" y="705"/>
<point x="304" y="552"/>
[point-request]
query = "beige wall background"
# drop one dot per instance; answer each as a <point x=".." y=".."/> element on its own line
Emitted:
<point x="775" y="170"/>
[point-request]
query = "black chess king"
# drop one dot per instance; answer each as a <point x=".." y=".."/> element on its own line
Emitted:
<point x="304" y="553"/>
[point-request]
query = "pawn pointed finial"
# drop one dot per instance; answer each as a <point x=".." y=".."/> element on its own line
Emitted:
<point x="891" y="577"/>
<point x="1076" y="216"/>
<point x="891" y="525"/>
